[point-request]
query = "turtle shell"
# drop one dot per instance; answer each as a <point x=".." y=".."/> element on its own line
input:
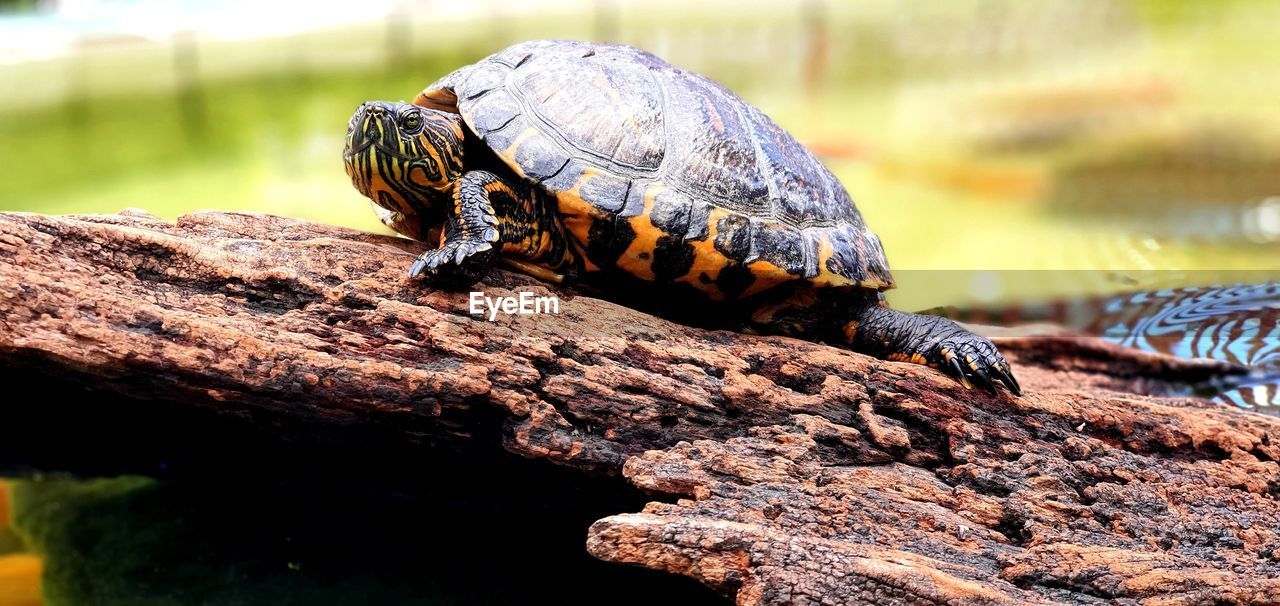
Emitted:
<point x="698" y="185"/>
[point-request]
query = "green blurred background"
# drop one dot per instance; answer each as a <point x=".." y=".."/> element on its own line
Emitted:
<point x="1137" y="138"/>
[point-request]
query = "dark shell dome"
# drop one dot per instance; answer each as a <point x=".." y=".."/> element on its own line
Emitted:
<point x="633" y="136"/>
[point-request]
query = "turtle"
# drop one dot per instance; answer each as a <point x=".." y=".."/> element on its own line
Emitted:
<point x="603" y="164"/>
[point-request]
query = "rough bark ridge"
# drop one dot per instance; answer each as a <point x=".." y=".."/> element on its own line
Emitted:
<point x="792" y="472"/>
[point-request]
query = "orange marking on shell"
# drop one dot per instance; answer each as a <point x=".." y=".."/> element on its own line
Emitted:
<point x="767" y="275"/>
<point x="645" y="241"/>
<point x="577" y="216"/>
<point x="509" y="154"/>
<point x="437" y="98"/>
<point x="825" y="276"/>
<point x="706" y="259"/>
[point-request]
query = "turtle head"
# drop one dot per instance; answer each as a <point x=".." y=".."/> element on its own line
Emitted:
<point x="404" y="157"/>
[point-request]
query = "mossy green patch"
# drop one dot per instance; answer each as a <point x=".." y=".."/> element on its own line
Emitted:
<point x="9" y="541"/>
<point x="136" y="541"/>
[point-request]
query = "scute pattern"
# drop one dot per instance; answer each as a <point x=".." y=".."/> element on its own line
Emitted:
<point x="613" y="111"/>
<point x="663" y="173"/>
<point x="715" y="145"/>
<point x="783" y="247"/>
<point x="800" y="179"/>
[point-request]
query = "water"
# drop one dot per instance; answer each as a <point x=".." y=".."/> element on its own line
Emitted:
<point x="1237" y="323"/>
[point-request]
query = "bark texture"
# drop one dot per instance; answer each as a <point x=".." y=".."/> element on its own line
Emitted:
<point x="784" y="471"/>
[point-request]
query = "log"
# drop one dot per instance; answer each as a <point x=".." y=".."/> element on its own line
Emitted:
<point x="778" y="471"/>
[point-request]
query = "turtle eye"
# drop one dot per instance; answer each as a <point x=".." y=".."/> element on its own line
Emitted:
<point x="411" y="122"/>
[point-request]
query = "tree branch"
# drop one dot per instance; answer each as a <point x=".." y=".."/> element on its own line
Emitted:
<point x="790" y="471"/>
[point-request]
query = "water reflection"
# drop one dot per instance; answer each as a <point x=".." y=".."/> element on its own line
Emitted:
<point x="1233" y="323"/>
<point x="1239" y="323"/>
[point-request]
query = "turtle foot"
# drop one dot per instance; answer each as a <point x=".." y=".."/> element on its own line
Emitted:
<point x="457" y="263"/>
<point x="971" y="359"/>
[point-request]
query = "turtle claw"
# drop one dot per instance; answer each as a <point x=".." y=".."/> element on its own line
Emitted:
<point x="957" y="372"/>
<point x="1009" y="381"/>
<point x="973" y="361"/>
<point x="984" y="381"/>
<point x="417" y="268"/>
<point x="455" y="263"/>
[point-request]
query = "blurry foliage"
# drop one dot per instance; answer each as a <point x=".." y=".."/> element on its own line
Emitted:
<point x="133" y="541"/>
<point x="136" y="541"/>
<point x="17" y="6"/>
<point x="9" y="542"/>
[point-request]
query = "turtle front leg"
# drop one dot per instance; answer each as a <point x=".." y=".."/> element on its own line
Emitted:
<point x="491" y="216"/>
<point x="875" y="329"/>
<point x="469" y="245"/>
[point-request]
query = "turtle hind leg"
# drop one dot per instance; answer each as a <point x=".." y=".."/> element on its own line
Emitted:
<point x="874" y="329"/>
<point x="793" y="311"/>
